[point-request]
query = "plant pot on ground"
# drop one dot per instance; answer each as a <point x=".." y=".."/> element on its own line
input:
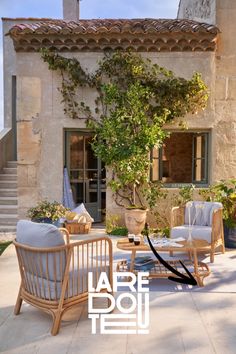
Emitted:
<point x="230" y="236"/>
<point x="224" y="192"/>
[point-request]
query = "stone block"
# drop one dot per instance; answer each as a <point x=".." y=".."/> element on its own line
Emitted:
<point x="220" y="88"/>
<point x="27" y="175"/>
<point x="225" y="110"/>
<point x="226" y="4"/>
<point x="22" y="175"/>
<point x="28" y="145"/>
<point x="27" y="198"/>
<point x="32" y="176"/>
<point x="232" y="89"/>
<point x="28" y="97"/>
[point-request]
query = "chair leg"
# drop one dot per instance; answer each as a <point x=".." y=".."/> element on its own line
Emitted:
<point x="171" y="253"/>
<point x="212" y="256"/>
<point x="223" y="248"/>
<point x="56" y="323"/>
<point x="190" y="255"/>
<point x="18" y="303"/>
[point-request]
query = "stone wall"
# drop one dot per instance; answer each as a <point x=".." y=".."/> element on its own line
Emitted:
<point x="225" y="94"/>
<point x="223" y="154"/>
<point x="71" y="10"/>
<point x="6" y="148"/>
<point x="41" y="121"/>
<point x="9" y="69"/>
<point x="198" y="10"/>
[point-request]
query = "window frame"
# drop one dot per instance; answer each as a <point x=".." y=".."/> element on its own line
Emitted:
<point x="199" y="184"/>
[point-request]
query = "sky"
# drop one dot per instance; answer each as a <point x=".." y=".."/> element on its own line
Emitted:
<point x="88" y="9"/>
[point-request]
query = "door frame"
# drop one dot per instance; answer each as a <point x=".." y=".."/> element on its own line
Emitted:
<point x="84" y="132"/>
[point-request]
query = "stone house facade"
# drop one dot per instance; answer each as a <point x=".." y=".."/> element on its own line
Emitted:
<point x="201" y="39"/>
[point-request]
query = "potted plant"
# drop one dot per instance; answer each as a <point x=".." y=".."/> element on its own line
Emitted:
<point x="47" y="212"/>
<point x="224" y="192"/>
<point x="135" y="99"/>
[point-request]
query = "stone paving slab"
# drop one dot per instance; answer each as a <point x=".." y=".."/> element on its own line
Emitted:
<point x="182" y="319"/>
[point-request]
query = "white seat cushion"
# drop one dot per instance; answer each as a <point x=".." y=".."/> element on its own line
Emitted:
<point x="198" y="232"/>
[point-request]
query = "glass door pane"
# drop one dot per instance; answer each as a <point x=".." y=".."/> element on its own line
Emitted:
<point x="200" y="158"/>
<point x="87" y="179"/>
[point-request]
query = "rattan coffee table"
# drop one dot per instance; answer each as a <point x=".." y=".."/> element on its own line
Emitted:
<point x="198" y="269"/>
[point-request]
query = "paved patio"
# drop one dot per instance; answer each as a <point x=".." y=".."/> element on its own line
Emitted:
<point x="182" y="319"/>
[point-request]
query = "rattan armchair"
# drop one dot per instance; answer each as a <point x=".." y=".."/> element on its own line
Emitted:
<point x="212" y="225"/>
<point x="55" y="279"/>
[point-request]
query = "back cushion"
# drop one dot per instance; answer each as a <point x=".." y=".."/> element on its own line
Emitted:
<point x="80" y="209"/>
<point x="41" y="235"/>
<point x="215" y="205"/>
<point x="200" y="213"/>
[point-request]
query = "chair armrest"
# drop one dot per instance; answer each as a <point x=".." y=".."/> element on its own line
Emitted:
<point x="65" y="234"/>
<point x="217" y="224"/>
<point x="177" y="216"/>
<point x="92" y="240"/>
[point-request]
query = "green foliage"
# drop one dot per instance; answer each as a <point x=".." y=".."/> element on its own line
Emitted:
<point x="154" y="191"/>
<point x="135" y="98"/>
<point x="224" y="192"/>
<point x="112" y="227"/>
<point x="45" y="209"/>
<point x="111" y="222"/>
<point x="185" y="195"/>
<point x="119" y="231"/>
<point x="4" y="245"/>
<point x="166" y="231"/>
<point x="162" y="215"/>
<point x="162" y="232"/>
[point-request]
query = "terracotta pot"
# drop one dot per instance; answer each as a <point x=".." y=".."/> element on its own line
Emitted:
<point x="135" y="220"/>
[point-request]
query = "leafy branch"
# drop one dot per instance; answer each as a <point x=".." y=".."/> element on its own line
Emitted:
<point x="135" y="99"/>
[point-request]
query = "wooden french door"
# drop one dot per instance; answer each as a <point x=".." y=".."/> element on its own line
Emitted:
<point x="86" y="172"/>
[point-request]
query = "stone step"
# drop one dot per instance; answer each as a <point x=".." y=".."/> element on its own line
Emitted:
<point x="8" y="184"/>
<point x="10" y="171"/>
<point x="12" y="164"/>
<point x="8" y="192"/>
<point x="8" y="201"/>
<point x="8" y="219"/>
<point x="8" y="209"/>
<point x="8" y="228"/>
<point x="6" y="177"/>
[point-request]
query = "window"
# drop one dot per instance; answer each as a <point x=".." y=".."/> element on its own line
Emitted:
<point x="183" y="158"/>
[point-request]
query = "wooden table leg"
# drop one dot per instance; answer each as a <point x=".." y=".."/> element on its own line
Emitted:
<point x="195" y="261"/>
<point x="133" y="254"/>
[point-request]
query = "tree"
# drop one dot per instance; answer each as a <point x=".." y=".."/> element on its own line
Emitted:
<point x="136" y="98"/>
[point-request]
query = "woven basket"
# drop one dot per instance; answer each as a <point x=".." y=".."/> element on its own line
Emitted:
<point x="78" y="228"/>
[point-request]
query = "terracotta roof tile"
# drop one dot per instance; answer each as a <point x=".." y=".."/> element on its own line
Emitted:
<point x="132" y="26"/>
<point x="152" y="35"/>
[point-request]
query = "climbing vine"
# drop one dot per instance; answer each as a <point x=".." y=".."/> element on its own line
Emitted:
<point x="134" y="100"/>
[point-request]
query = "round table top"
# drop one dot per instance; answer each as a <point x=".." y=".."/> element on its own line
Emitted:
<point x="125" y="245"/>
